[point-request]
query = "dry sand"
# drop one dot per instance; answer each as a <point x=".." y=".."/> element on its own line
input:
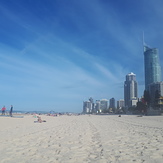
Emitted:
<point x="82" y="139"/>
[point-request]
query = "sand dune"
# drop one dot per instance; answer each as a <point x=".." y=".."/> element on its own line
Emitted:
<point x="80" y="139"/>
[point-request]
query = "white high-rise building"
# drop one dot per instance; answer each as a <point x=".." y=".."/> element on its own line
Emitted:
<point x="120" y="104"/>
<point x="97" y="106"/>
<point x="87" y="107"/>
<point x="130" y="89"/>
<point x="103" y="104"/>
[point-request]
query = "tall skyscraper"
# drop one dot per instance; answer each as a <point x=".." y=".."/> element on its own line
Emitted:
<point x="152" y="66"/>
<point x="130" y="89"/>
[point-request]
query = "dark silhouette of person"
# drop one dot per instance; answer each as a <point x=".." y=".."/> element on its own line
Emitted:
<point x="11" y="109"/>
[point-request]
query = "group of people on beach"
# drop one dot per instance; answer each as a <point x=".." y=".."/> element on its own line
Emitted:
<point x="4" y="110"/>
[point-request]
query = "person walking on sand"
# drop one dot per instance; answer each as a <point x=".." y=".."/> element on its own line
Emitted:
<point x="3" y="110"/>
<point x="11" y="109"/>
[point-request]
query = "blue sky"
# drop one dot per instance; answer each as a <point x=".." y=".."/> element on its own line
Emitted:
<point x="55" y="54"/>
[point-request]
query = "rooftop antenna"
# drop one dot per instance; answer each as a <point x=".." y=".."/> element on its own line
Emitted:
<point x="144" y="44"/>
<point x="143" y="39"/>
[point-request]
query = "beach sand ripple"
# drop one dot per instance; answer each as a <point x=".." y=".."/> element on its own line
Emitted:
<point x="79" y="139"/>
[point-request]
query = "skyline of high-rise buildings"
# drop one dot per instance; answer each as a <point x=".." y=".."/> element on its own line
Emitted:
<point x="153" y="83"/>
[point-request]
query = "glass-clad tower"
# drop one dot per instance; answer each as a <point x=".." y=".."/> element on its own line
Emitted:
<point x="152" y="66"/>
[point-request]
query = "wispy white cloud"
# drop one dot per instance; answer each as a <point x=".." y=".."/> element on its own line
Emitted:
<point x="64" y="74"/>
<point x="111" y="76"/>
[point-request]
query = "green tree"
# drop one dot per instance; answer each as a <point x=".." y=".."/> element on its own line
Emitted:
<point x="157" y="97"/>
<point x="141" y="107"/>
<point x="147" y="97"/>
<point x="105" y="111"/>
<point x="131" y="109"/>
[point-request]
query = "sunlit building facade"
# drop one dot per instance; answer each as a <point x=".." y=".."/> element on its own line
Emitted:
<point x="130" y="89"/>
<point x="97" y="106"/>
<point x="120" y="104"/>
<point x="87" y="107"/>
<point x="103" y="104"/>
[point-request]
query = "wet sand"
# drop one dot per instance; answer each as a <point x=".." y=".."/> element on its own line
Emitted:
<point x="82" y="139"/>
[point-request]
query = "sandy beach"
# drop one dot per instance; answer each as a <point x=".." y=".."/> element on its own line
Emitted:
<point x="80" y="139"/>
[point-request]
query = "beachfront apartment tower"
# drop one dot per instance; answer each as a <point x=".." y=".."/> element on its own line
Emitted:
<point x="97" y="106"/>
<point x="87" y="107"/>
<point x="103" y="104"/>
<point x="120" y="104"/>
<point x="130" y="89"/>
<point x="152" y="66"/>
<point x="112" y="103"/>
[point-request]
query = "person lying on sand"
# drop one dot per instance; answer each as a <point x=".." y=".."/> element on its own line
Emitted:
<point x="39" y="120"/>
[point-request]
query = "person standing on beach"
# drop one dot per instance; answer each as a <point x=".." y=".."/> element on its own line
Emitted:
<point x="3" y="110"/>
<point x="11" y="109"/>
